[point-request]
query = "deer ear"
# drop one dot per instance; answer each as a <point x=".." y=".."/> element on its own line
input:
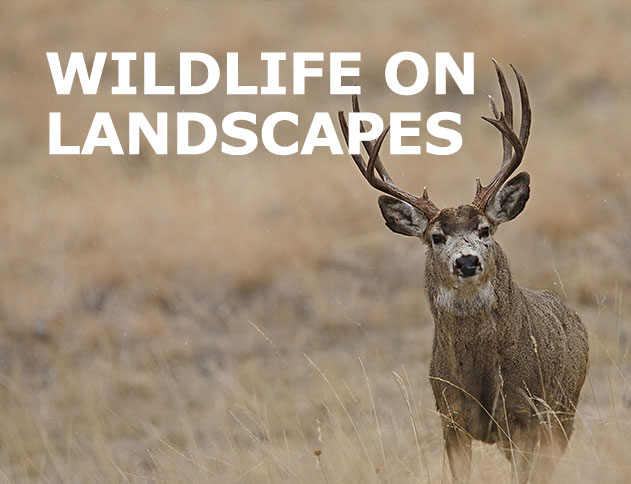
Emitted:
<point x="401" y="217"/>
<point x="510" y="200"/>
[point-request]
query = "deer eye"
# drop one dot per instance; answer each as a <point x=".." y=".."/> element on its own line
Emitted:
<point x="483" y="232"/>
<point x="438" y="239"/>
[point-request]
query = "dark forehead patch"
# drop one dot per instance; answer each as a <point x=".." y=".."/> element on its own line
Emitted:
<point x="464" y="218"/>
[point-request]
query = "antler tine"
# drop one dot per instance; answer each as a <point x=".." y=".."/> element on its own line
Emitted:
<point x="511" y="142"/>
<point x="369" y="145"/>
<point x="508" y="109"/>
<point x="526" y="113"/>
<point x="373" y="158"/>
<point x="383" y="182"/>
<point x="359" y="161"/>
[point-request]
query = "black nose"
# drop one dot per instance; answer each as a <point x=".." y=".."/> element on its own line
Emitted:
<point x="467" y="265"/>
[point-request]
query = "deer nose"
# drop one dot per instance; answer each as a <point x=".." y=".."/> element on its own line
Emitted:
<point x="467" y="265"/>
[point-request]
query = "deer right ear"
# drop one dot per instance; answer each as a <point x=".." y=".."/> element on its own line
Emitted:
<point x="401" y="217"/>
<point x="510" y="200"/>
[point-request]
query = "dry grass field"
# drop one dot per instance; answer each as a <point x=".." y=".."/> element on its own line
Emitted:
<point x="221" y="319"/>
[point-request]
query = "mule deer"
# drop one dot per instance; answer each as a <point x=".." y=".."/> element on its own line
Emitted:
<point x="508" y="363"/>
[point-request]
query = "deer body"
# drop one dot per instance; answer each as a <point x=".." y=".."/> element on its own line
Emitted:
<point x="507" y="368"/>
<point x="508" y="363"/>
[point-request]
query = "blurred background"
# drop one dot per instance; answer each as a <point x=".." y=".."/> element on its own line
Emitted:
<point x="225" y="319"/>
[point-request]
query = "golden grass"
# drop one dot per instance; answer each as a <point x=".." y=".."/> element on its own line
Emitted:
<point x="215" y="319"/>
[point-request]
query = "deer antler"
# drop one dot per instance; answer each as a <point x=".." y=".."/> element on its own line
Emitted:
<point x="514" y="146"/>
<point x="383" y="182"/>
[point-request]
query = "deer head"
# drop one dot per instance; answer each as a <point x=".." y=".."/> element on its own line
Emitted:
<point x="461" y="249"/>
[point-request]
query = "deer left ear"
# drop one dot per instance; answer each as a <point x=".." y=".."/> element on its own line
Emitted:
<point x="510" y="200"/>
<point x="401" y="217"/>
